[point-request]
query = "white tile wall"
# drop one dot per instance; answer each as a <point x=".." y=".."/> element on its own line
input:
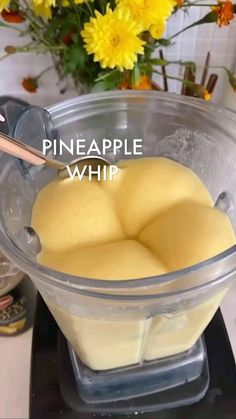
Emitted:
<point x="193" y="45"/>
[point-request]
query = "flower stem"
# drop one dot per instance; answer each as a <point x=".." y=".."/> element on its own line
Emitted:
<point x="104" y="76"/>
<point x="187" y="82"/>
<point x="102" y="6"/>
<point x="73" y="5"/>
<point x="35" y="23"/>
<point x="4" y="57"/>
<point x="89" y="8"/>
<point x="44" y="71"/>
<point x="5" y="25"/>
<point x="199" y="5"/>
<point x="39" y="49"/>
<point x="208" y="18"/>
<point x="186" y="64"/>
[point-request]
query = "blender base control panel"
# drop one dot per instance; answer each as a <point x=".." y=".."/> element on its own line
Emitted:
<point x="54" y="392"/>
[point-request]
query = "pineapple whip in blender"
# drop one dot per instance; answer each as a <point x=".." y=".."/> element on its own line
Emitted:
<point x="155" y="216"/>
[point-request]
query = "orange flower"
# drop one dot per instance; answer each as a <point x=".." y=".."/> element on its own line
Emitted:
<point x="12" y="17"/>
<point x="124" y="85"/>
<point x="10" y="49"/>
<point x="144" y="83"/>
<point x="30" y="84"/>
<point x="179" y="3"/>
<point x="225" y="12"/>
<point x="67" y="38"/>
<point x="207" y="96"/>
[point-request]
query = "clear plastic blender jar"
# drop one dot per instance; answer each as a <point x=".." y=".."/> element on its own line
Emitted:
<point x="122" y="323"/>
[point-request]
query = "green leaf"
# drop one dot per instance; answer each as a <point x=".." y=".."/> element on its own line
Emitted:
<point x="13" y="6"/>
<point x="231" y="77"/>
<point x="108" y="80"/>
<point x="187" y="63"/>
<point x="209" y="18"/>
<point x="60" y="25"/>
<point x="76" y="58"/>
<point x="164" y="42"/>
<point x="158" y="61"/>
<point x="99" y="87"/>
<point x="75" y="38"/>
<point x="146" y="68"/>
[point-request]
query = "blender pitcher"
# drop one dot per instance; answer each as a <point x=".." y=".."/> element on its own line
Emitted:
<point x="114" y="326"/>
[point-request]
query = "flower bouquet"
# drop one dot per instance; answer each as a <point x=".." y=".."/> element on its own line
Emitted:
<point x="109" y="44"/>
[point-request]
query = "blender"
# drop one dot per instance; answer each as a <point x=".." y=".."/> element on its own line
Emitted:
<point x="144" y="351"/>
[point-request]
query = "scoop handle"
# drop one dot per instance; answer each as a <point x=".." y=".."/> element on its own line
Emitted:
<point x="18" y="149"/>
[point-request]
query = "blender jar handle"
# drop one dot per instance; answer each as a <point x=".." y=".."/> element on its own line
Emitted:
<point x="10" y="109"/>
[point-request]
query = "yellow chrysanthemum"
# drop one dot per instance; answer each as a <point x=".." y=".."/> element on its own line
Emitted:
<point x="46" y="3"/>
<point x="158" y="30"/>
<point x="3" y="4"/>
<point x="81" y="1"/>
<point x="42" y="10"/>
<point x="148" y="12"/>
<point x="65" y="3"/>
<point x="43" y="7"/>
<point x="113" y="39"/>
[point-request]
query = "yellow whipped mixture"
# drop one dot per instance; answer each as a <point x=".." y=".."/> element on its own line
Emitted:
<point x="156" y="216"/>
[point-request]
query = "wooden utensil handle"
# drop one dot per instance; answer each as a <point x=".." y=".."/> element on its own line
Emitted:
<point x="15" y="148"/>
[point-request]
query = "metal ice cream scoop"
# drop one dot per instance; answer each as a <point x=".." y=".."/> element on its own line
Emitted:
<point x="31" y="155"/>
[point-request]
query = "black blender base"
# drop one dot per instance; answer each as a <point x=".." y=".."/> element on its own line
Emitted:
<point x="48" y="363"/>
<point x="186" y="394"/>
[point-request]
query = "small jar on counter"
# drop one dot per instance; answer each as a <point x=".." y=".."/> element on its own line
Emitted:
<point x="12" y="303"/>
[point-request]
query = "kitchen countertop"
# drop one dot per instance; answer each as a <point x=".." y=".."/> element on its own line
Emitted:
<point x="15" y="358"/>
